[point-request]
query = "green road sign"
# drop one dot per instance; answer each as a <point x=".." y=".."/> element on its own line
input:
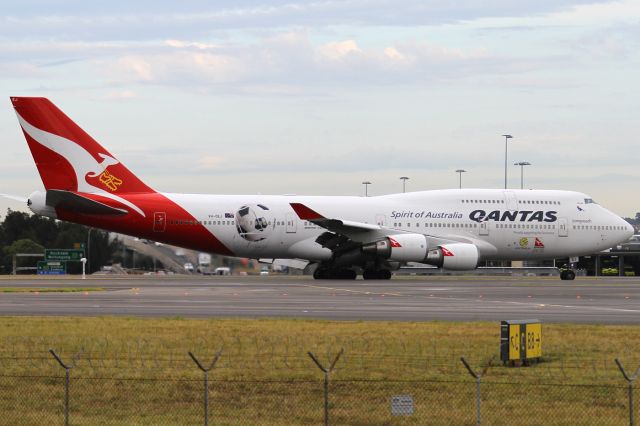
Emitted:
<point x="63" y="254"/>
<point x="51" y="268"/>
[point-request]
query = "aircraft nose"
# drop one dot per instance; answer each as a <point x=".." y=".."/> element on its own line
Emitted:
<point x="629" y="229"/>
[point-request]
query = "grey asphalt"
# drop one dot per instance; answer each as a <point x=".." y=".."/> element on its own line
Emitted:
<point x="585" y="300"/>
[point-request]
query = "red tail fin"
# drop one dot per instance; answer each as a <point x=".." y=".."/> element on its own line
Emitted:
<point x="66" y="156"/>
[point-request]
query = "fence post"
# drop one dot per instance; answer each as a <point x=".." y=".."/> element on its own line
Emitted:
<point x="478" y="377"/>
<point x="630" y="380"/>
<point x="206" y="381"/>
<point x="67" y="370"/>
<point x="327" y="372"/>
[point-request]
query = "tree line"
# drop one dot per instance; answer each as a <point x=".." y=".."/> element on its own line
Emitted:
<point x="24" y="233"/>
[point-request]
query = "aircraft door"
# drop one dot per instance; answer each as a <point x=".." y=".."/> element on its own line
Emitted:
<point x="563" y="229"/>
<point x="292" y="223"/>
<point x="484" y="228"/>
<point x="159" y="221"/>
<point x="381" y="220"/>
<point x="511" y="200"/>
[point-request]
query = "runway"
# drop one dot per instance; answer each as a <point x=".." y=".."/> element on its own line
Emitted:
<point x="585" y="300"/>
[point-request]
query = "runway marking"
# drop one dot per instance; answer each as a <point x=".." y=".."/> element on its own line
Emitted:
<point x="352" y="291"/>
<point x="538" y="305"/>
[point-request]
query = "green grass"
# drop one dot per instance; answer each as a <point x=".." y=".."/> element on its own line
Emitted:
<point x="137" y="371"/>
<point x="49" y="289"/>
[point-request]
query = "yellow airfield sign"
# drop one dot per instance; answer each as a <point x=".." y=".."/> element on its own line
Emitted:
<point x="520" y="340"/>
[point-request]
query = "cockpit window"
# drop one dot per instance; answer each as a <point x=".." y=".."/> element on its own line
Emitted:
<point x="589" y="201"/>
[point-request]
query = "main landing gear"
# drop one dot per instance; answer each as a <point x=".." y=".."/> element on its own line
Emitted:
<point x="334" y="274"/>
<point x="350" y="274"/>
<point x="376" y="274"/>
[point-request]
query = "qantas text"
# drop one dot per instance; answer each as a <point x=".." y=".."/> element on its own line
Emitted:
<point x="514" y="216"/>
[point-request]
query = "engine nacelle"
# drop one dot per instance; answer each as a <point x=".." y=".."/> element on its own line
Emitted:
<point x="415" y="248"/>
<point x="400" y="247"/>
<point x="455" y="257"/>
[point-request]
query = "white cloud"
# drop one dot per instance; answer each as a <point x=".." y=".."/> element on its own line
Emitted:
<point x="131" y="20"/>
<point x="338" y="50"/>
<point x="183" y="44"/>
<point x="596" y="13"/>
<point x="21" y="69"/>
<point x="138" y="66"/>
<point x="289" y="60"/>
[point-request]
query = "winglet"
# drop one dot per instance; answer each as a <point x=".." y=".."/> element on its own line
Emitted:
<point x="305" y="213"/>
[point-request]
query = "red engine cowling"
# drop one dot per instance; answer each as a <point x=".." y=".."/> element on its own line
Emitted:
<point x="455" y="257"/>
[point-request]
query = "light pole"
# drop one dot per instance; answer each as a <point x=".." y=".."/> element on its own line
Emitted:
<point x="404" y="181"/>
<point x="366" y="184"/>
<point x="460" y="172"/>
<point x="522" y="164"/>
<point x="89" y="248"/>
<point x="506" y="138"/>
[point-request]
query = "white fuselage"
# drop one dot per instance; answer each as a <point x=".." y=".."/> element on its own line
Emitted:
<point x="503" y="224"/>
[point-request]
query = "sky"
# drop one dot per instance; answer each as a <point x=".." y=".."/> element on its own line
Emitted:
<point x="293" y="97"/>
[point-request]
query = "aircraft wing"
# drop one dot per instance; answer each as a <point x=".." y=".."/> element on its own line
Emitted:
<point x="343" y="231"/>
<point x="336" y="225"/>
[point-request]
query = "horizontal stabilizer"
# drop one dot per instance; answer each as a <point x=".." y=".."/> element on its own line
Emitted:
<point x="77" y="203"/>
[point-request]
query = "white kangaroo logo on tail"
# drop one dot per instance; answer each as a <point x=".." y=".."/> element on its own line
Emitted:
<point x="106" y="162"/>
<point x="82" y="162"/>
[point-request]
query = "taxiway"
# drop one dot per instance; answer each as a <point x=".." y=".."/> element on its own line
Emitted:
<point x="587" y="300"/>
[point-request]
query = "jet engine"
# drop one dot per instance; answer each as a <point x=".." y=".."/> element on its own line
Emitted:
<point x="455" y="257"/>
<point x="401" y="247"/>
<point x="415" y="248"/>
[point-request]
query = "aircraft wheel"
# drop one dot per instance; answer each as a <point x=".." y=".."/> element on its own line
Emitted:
<point x="369" y="274"/>
<point x="380" y="274"/>
<point x="570" y="275"/>
<point x="384" y="274"/>
<point x="320" y="274"/>
<point x="348" y="274"/>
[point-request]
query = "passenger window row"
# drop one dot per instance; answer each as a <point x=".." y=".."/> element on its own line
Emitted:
<point x="502" y="202"/>
<point x="201" y="222"/>
<point x="438" y="225"/>
<point x="475" y="225"/>
<point x="484" y="201"/>
<point x="525" y="226"/>
<point x="598" y="228"/>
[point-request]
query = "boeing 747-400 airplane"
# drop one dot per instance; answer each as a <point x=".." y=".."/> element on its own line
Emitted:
<point x="337" y="236"/>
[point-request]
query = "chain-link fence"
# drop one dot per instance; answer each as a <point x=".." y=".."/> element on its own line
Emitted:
<point x="71" y="393"/>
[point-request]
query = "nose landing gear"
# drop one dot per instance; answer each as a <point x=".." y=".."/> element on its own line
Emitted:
<point x="566" y="273"/>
